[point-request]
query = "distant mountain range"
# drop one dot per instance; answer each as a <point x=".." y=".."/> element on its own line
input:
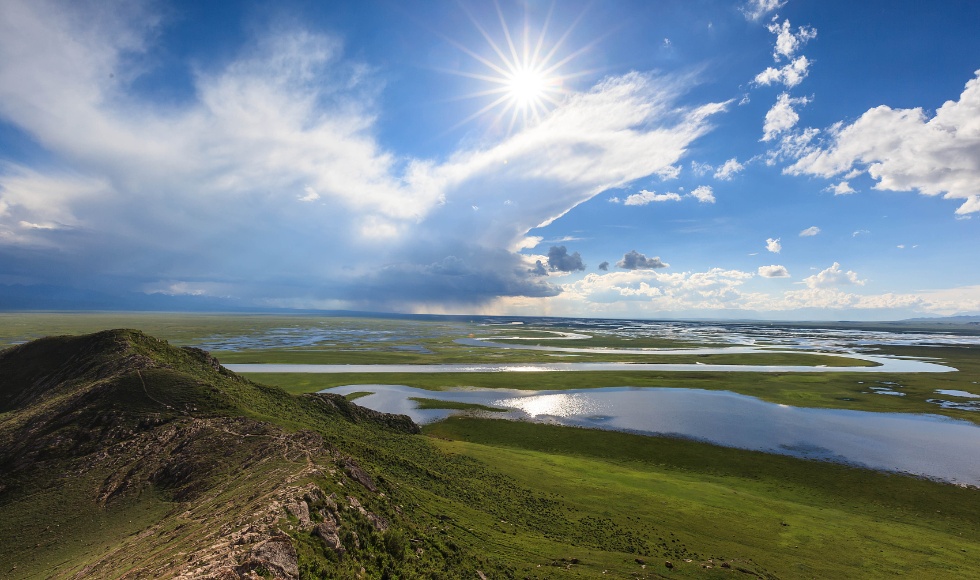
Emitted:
<point x="972" y="319"/>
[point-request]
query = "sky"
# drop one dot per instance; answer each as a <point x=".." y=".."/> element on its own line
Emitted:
<point x="794" y="159"/>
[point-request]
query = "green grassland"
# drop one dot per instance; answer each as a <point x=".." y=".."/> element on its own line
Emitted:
<point x="402" y="341"/>
<point x="424" y="403"/>
<point x="192" y="328"/>
<point x="795" y="518"/>
<point x="140" y="465"/>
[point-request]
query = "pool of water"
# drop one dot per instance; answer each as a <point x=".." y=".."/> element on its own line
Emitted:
<point x="927" y="445"/>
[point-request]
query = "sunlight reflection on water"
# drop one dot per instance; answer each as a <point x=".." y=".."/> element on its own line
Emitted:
<point x="558" y="405"/>
<point x="929" y="445"/>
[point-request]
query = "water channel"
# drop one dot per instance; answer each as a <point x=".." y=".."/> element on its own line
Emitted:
<point x="927" y="445"/>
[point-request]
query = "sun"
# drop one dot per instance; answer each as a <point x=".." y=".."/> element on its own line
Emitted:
<point x="530" y="88"/>
<point x="525" y="76"/>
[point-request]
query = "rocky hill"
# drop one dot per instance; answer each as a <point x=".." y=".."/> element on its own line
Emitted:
<point x="122" y="456"/>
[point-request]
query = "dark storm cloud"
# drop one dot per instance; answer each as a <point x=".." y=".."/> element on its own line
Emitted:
<point x="559" y="260"/>
<point x="472" y="276"/>
<point x="634" y="260"/>
<point x="604" y="266"/>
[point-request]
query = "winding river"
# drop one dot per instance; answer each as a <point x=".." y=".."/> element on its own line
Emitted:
<point x="926" y="445"/>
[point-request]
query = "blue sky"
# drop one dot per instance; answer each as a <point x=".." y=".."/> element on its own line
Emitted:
<point x="723" y="159"/>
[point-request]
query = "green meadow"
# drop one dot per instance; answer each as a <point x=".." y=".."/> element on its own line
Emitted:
<point x="702" y="504"/>
<point x="525" y="500"/>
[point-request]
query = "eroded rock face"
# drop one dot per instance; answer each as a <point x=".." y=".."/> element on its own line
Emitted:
<point x="359" y="475"/>
<point x="328" y="532"/>
<point x="301" y="510"/>
<point x="276" y="555"/>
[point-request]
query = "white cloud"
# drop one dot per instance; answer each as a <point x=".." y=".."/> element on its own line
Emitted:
<point x="789" y="75"/>
<point x="773" y="271"/>
<point x="755" y="9"/>
<point x="971" y="205"/>
<point x="729" y="169"/>
<point x="833" y="277"/>
<point x="782" y="116"/>
<point x="773" y="245"/>
<point x="788" y="42"/>
<point x="904" y="149"/>
<point x="722" y="292"/>
<point x="33" y="226"/>
<point x="311" y="194"/>
<point x="809" y="232"/>
<point x="842" y="188"/>
<point x="861" y="233"/>
<point x="526" y="243"/>
<point x="715" y="289"/>
<point x="704" y="194"/>
<point x="793" y="145"/>
<point x="141" y="186"/>
<point x="179" y="288"/>
<point x="645" y="197"/>
<point x="700" y="169"/>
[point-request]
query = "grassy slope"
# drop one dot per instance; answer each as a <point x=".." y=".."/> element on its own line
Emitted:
<point x="795" y="518"/>
<point x="179" y="454"/>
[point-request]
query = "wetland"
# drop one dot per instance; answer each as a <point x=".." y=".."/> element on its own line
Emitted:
<point x="822" y="465"/>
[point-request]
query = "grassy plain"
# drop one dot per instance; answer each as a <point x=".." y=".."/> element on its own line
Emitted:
<point x="399" y="341"/>
<point x="244" y="339"/>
